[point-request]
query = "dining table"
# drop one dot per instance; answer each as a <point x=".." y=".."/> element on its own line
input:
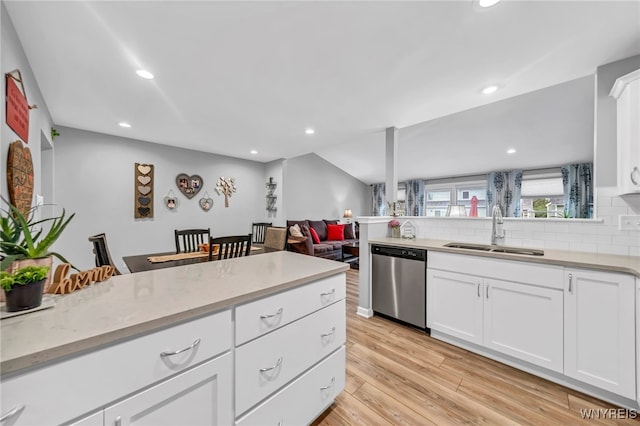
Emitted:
<point x="151" y="261"/>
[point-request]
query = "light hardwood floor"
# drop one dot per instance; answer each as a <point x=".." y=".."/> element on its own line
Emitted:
<point x="400" y="376"/>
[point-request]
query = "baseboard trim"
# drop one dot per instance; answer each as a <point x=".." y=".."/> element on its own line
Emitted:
<point x="365" y="312"/>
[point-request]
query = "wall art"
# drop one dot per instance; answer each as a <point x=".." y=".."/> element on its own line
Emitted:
<point x="226" y="187"/>
<point x="206" y="202"/>
<point x="17" y="106"/>
<point x="20" y="177"/>
<point x="189" y="185"/>
<point x="271" y="196"/>
<point x="171" y="201"/>
<point x="143" y="191"/>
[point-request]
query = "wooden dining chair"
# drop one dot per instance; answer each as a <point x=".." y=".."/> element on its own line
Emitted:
<point x="258" y="231"/>
<point x="101" y="252"/>
<point x="187" y="240"/>
<point x="228" y="247"/>
<point x="275" y="238"/>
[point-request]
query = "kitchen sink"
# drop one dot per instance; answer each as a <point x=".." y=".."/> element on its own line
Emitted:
<point x="496" y="249"/>
<point x="482" y="247"/>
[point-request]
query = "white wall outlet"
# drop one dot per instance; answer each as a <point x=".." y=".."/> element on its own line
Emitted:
<point x="629" y="222"/>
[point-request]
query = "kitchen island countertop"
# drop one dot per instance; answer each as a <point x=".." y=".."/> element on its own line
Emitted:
<point x="604" y="262"/>
<point x="134" y="304"/>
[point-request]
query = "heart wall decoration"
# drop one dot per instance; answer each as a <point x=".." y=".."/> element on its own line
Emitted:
<point x="189" y="185"/>
<point x="206" y="202"/>
<point x="171" y="201"/>
<point x="143" y="191"/>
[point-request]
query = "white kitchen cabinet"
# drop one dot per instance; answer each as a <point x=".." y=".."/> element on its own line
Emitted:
<point x="455" y="304"/>
<point x="98" y="378"/>
<point x="524" y="321"/>
<point x="599" y="330"/>
<point x="200" y="396"/>
<point x="626" y="90"/>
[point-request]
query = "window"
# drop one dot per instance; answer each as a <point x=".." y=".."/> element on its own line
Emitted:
<point x="542" y="196"/>
<point x="440" y="197"/>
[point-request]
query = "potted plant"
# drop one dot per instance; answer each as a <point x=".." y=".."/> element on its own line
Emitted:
<point x="23" y="288"/>
<point x="25" y="241"/>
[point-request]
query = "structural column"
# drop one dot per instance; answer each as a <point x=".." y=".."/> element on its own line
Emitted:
<point x="391" y="160"/>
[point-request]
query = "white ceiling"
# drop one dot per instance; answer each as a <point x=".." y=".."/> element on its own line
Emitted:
<point x="235" y="76"/>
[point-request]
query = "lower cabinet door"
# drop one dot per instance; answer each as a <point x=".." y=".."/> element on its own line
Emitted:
<point x="525" y="322"/>
<point x="303" y="400"/>
<point x="600" y="330"/>
<point x="454" y="304"/>
<point x="200" y="396"/>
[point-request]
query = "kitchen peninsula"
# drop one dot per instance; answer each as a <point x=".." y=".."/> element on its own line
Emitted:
<point x="213" y="343"/>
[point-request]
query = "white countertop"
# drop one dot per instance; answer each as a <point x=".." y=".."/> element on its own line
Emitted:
<point x="133" y="304"/>
<point x="604" y="262"/>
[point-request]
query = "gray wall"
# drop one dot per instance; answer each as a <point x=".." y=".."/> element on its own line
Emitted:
<point x="316" y="189"/>
<point x="606" y="134"/>
<point x="95" y="179"/>
<point x="12" y="57"/>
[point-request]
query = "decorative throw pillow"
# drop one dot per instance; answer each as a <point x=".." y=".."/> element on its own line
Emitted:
<point x="335" y="232"/>
<point x="349" y="233"/>
<point x="295" y="231"/>
<point x="314" y="236"/>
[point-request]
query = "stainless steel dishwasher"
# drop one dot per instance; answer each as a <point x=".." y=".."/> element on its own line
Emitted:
<point x="399" y="284"/>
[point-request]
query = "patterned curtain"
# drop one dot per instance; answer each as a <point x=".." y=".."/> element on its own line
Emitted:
<point x="415" y="197"/>
<point x="578" y="190"/>
<point x="503" y="189"/>
<point x="378" y="206"/>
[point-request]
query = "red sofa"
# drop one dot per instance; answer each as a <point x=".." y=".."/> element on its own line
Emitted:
<point x="327" y="249"/>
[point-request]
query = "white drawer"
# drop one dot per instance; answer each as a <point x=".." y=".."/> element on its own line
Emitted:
<point x="286" y="353"/>
<point x="104" y="375"/>
<point x="303" y="400"/>
<point x="262" y="316"/>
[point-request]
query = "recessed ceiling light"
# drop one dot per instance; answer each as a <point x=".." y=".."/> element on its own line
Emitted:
<point x="489" y="90"/>
<point x="124" y="124"/>
<point x="511" y="151"/>
<point x="253" y="151"/>
<point x="487" y="3"/>
<point x="145" y="74"/>
<point x="309" y="131"/>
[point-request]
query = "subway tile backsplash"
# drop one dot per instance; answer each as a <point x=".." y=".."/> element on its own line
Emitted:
<point x="596" y="236"/>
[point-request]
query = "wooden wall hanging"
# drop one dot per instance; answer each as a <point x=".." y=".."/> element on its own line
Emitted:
<point x="20" y="177"/>
<point x="189" y="185"/>
<point x="143" y="184"/>
<point x="226" y="187"/>
<point x="17" y="107"/>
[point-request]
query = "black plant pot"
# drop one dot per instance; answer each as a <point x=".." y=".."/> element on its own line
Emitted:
<point x="22" y="297"/>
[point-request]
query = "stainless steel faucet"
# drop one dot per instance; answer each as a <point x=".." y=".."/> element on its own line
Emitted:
<point x="497" y="232"/>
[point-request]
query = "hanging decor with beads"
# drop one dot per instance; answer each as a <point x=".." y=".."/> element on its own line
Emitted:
<point x="143" y="191"/>
<point x="226" y="187"/>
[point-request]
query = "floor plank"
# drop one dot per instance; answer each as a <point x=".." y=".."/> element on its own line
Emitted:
<point x="400" y="375"/>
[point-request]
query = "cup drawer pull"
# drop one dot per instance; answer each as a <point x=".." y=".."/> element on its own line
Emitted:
<point x="278" y="363"/>
<point x="188" y="348"/>
<point x="278" y="312"/>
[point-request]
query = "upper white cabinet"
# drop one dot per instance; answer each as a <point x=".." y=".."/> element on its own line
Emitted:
<point x="599" y="330"/>
<point x="627" y="92"/>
